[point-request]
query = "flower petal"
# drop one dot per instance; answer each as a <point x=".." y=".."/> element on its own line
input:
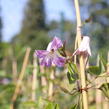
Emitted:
<point x="59" y="61"/>
<point x="46" y="62"/>
<point x="41" y="53"/>
<point x="89" y="51"/>
<point x="56" y="43"/>
<point x="84" y="48"/>
<point x="49" y="47"/>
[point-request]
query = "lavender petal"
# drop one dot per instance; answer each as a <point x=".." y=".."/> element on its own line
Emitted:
<point x="59" y="61"/>
<point x="56" y="43"/>
<point x="46" y="62"/>
<point x="41" y="53"/>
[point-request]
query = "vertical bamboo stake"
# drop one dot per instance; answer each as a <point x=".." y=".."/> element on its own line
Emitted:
<point x="20" y="77"/>
<point x="76" y="43"/>
<point x="108" y="63"/>
<point x="14" y="70"/>
<point x="79" y="24"/>
<point x="98" y="92"/>
<point x="83" y="83"/>
<point x="34" y="79"/>
<point x="106" y="102"/>
<point x="98" y="99"/>
<point x="81" y="60"/>
<point x="108" y="66"/>
<point x="43" y="80"/>
<point x="50" y="89"/>
<point x="90" y="92"/>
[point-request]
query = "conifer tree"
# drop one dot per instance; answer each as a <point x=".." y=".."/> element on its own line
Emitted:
<point x="34" y="18"/>
<point x="33" y="30"/>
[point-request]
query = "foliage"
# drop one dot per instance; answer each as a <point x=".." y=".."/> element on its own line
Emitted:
<point x="72" y="73"/>
<point x="105" y="89"/>
<point x="98" y="69"/>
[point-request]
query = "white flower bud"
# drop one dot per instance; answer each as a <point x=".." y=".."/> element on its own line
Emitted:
<point x="84" y="48"/>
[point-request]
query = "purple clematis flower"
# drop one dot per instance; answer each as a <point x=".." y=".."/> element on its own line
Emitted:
<point x="50" y="56"/>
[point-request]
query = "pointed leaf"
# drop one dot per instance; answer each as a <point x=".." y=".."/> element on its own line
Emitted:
<point x="94" y="70"/>
<point x="105" y="89"/>
<point x="56" y="106"/>
<point x="75" y="106"/>
<point x="72" y="73"/>
<point x="29" y="104"/>
<point x="49" y="106"/>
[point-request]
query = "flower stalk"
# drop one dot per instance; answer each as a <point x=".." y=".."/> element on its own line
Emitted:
<point x="81" y="59"/>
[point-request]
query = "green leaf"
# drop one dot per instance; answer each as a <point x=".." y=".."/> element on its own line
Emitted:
<point x="6" y="91"/>
<point x="29" y="104"/>
<point x="102" y="64"/>
<point x="75" y="106"/>
<point x="49" y="106"/>
<point x="99" y="68"/>
<point x="56" y="106"/>
<point x="72" y="73"/>
<point x="105" y="89"/>
<point x="103" y="61"/>
<point x="70" y="78"/>
<point x="94" y="70"/>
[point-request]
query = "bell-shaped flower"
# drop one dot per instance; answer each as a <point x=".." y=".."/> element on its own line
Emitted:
<point x="50" y="56"/>
<point x="84" y="48"/>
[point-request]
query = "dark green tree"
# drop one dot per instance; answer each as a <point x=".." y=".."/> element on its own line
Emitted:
<point x="34" y="16"/>
<point x="33" y="31"/>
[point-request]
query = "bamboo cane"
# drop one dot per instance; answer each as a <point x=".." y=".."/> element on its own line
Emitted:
<point x="106" y="102"/>
<point x="98" y="99"/>
<point x="34" y="79"/>
<point x="43" y="80"/>
<point x="14" y="70"/>
<point x="50" y="89"/>
<point x="20" y="77"/>
<point x="75" y="57"/>
<point x="108" y="66"/>
<point x="108" y="63"/>
<point x="81" y="60"/>
<point x="98" y="92"/>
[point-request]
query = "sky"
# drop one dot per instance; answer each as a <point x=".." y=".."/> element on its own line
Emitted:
<point x="13" y="14"/>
